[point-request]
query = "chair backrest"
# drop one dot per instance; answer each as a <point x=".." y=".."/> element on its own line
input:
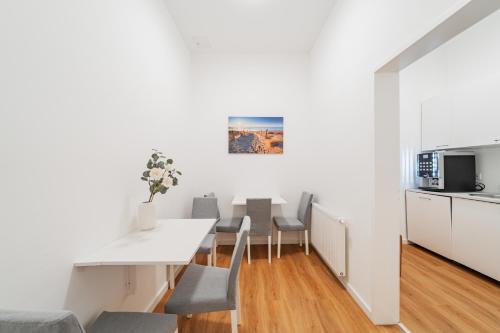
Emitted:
<point x="205" y="208"/>
<point x="212" y="195"/>
<point x="39" y="322"/>
<point x="304" y="212"/>
<point x="239" y="248"/>
<point x="259" y="211"/>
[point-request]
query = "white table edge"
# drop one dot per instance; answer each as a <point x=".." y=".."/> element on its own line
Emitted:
<point x="279" y="201"/>
<point x="129" y="263"/>
<point x="95" y="263"/>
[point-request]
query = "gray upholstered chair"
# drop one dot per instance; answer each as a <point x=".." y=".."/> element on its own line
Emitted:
<point x="259" y="211"/>
<point x="210" y="289"/>
<point x="206" y="208"/>
<point x="229" y="225"/>
<point x="66" y="322"/>
<point x="300" y="223"/>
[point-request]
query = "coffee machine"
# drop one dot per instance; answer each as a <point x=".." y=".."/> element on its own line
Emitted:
<point x="447" y="171"/>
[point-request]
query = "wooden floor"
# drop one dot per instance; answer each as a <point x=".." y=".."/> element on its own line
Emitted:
<point x="296" y="293"/>
<point x="438" y="295"/>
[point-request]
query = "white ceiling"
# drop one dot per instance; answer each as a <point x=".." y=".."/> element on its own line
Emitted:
<point x="250" y="25"/>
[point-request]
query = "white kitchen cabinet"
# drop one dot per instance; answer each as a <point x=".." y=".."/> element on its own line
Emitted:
<point x="476" y="115"/>
<point x="436" y="123"/>
<point x="428" y="220"/>
<point x="476" y="235"/>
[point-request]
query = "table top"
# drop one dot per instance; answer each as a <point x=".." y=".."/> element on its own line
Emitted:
<point x="240" y="200"/>
<point x="172" y="242"/>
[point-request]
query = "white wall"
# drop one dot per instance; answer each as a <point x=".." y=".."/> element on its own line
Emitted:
<point x="357" y="38"/>
<point x="472" y="56"/>
<point x="250" y="85"/>
<point x="87" y="89"/>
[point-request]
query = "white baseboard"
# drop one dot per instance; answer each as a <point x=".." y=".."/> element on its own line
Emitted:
<point x="357" y="297"/>
<point x="350" y="289"/>
<point x="403" y="328"/>
<point x="154" y="302"/>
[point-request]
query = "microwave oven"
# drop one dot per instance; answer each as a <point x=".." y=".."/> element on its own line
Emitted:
<point x="447" y="171"/>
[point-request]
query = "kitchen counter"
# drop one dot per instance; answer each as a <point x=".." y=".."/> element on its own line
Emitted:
<point x="462" y="195"/>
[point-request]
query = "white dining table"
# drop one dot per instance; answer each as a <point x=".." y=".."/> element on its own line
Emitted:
<point x="241" y="200"/>
<point x="174" y="242"/>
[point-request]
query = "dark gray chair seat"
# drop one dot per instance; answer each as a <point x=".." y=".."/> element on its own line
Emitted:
<point x="259" y="211"/>
<point x="300" y="223"/>
<point x="207" y="244"/>
<point x="134" y="322"/>
<point x="209" y="289"/>
<point x="289" y="224"/>
<point x="66" y="322"/>
<point x="230" y="225"/>
<point x="39" y="322"/>
<point x="206" y="208"/>
<point x="201" y="289"/>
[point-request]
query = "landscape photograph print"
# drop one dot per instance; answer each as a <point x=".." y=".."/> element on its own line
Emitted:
<point x="255" y="135"/>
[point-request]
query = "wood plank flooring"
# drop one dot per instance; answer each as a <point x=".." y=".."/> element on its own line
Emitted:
<point x="296" y="293"/>
<point x="438" y="295"/>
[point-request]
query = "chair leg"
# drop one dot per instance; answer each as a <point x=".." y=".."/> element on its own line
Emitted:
<point x="248" y="249"/>
<point x="238" y="299"/>
<point x="269" y="240"/>
<point x="300" y="239"/>
<point x="209" y="259"/>
<point x="307" y="242"/>
<point x="215" y="252"/>
<point x="171" y="276"/>
<point x="234" y="321"/>
<point x="279" y="244"/>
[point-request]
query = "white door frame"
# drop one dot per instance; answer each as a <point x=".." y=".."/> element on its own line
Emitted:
<point x="386" y="204"/>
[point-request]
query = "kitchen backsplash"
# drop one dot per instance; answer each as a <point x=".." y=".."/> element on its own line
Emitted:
<point x="488" y="165"/>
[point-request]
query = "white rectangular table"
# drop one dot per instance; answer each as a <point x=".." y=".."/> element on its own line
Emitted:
<point x="240" y="200"/>
<point x="172" y="243"/>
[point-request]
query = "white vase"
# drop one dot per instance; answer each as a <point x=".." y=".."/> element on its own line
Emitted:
<point x="146" y="216"/>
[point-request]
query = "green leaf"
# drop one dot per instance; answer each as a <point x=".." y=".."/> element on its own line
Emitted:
<point x="150" y="164"/>
<point x="155" y="157"/>
<point x="175" y="181"/>
<point x="178" y="172"/>
<point x="145" y="173"/>
<point x="144" y="178"/>
<point x="161" y="165"/>
<point x="163" y="189"/>
<point x="170" y="161"/>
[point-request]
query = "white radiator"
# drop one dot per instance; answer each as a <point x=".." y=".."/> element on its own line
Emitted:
<point x="328" y="236"/>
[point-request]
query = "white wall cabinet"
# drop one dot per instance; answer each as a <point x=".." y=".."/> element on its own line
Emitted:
<point x="467" y="118"/>
<point x="429" y="221"/>
<point x="476" y="235"/>
<point x="436" y="123"/>
<point x="476" y="115"/>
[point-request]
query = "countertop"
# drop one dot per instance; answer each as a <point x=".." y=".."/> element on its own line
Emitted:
<point x="461" y="195"/>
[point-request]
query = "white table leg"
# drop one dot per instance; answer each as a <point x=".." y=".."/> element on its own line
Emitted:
<point x="300" y="238"/>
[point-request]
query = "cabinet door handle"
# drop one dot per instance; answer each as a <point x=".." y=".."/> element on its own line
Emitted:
<point x="424" y="198"/>
<point x="497" y="140"/>
<point x="442" y="146"/>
